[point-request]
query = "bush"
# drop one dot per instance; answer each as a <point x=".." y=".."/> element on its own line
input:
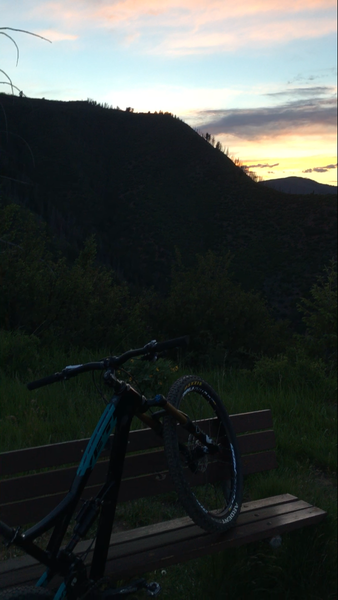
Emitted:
<point x="150" y="377"/>
<point x="320" y="317"/>
<point x="18" y="352"/>
<point x="79" y="304"/>
<point x="224" y="322"/>
<point x="293" y="369"/>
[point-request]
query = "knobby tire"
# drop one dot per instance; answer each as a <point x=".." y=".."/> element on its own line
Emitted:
<point x="215" y="503"/>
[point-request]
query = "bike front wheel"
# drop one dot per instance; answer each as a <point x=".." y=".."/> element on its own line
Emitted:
<point x="207" y="477"/>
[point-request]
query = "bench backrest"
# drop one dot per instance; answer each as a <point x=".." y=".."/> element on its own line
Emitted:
<point x="34" y="480"/>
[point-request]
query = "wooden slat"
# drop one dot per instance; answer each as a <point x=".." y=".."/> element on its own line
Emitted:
<point x="32" y="486"/>
<point x="162" y="527"/>
<point x="248" y="511"/>
<point x="41" y="457"/>
<point x="188" y="531"/>
<point x="65" y="453"/>
<point x="252" y="421"/>
<point x="54" y="482"/>
<point x="24" y="572"/>
<point x="165" y="555"/>
<point x="161" y="545"/>
<point x="54" y="455"/>
<point x="160" y="558"/>
<point x="256" y="442"/>
<point x="34" y="509"/>
<point x="21" y="500"/>
<point x="22" y="504"/>
<point x="256" y="463"/>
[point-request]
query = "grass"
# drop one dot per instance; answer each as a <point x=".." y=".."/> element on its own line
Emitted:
<point x="305" y="416"/>
<point x="64" y="411"/>
<point x="304" y="567"/>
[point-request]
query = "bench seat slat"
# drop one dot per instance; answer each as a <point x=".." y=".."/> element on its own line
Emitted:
<point x="184" y="530"/>
<point x="159" y="528"/>
<point x="164" y="556"/>
<point x="148" y="548"/>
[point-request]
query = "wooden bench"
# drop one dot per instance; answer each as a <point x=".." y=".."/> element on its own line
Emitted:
<point x="133" y="552"/>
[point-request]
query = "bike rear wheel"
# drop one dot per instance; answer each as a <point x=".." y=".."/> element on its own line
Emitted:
<point x="209" y="485"/>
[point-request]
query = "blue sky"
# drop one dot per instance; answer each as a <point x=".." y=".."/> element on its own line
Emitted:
<point x="259" y="75"/>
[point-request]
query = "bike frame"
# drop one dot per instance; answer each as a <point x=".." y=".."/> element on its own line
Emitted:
<point x="117" y="415"/>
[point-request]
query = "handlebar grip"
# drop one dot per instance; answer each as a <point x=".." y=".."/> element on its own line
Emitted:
<point x="33" y="385"/>
<point x="180" y="342"/>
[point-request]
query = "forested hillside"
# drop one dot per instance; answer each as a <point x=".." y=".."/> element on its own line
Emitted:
<point x="147" y="185"/>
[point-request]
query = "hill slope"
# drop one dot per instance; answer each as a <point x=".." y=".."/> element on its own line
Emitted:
<point x="147" y="183"/>
<point x="299" y="185"/>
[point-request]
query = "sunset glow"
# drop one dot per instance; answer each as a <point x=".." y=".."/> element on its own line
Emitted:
<point x="259" y="75"/>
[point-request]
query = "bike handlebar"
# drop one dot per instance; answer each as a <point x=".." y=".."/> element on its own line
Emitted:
<point x="151" y="349"/>
<point x="70" y="371"/>
<point x="180" y="342"/>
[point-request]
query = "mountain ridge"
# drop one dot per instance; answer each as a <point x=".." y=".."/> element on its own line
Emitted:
<point x="146" y="184"/>
<point x="299" y="185"/>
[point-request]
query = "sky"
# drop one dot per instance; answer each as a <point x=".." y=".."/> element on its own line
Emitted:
<point x="258" y="75"/>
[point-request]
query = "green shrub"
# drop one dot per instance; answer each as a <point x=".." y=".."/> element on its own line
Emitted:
<point x="292" y="369"/>
<point x="18" y="352"/>
<point x="320" y="316"/>
<point x="150" y="377"/>
<point x="222" y="320"/>
<point x="79" y="304"/>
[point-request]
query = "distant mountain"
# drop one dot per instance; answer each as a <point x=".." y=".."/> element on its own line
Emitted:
<point x="146" y="184"/>
<point x="299" y="185"/>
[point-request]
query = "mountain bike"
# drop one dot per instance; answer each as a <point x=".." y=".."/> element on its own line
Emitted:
<point x="197" y="449"/>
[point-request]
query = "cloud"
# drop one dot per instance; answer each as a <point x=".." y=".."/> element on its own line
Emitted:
<point x="315" y="115"/>
<point x="308" y="92"/>
<point x="57" y="36"/>
<point x="229" y="35"/>
<point x="320" y="169"/>
<point x="322" y="73"/>
<point x="260" y="166"/>
<point x="179" y="27"/>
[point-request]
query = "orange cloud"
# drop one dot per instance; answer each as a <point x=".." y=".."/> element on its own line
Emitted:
<point x="299" y="166"/>
<point x="192" y="26"/>
<point x="57" y="36"/>
<point x="198" y="13"/>
<point x="211" y="9"/>
<point x="245" y="34"/>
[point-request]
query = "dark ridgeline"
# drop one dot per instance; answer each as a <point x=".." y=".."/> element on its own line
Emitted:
<point x="147" y="183"/>
<point x="299" y="185"/>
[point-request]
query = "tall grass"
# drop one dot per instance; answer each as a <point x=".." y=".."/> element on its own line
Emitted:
<point x="304" y="566"/>
<point x="305" y="416"/>
<point x="69" y="410"/>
